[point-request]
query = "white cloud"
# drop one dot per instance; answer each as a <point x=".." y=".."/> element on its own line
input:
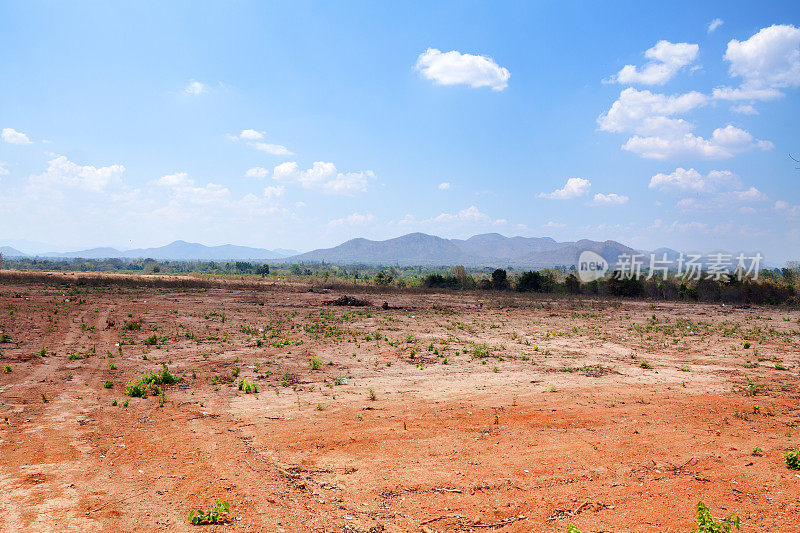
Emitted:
<point x="455" y="68"/>
<point x="724" y="143"/>
<point x="744" y="109"/>
<point x="257" y="172"/>
<point x="12" y="136"/>
<point x="443" y="186"/>
<point x="251" y="135"/>
<point x="609" y="199"/>
<point x="273" y="149"/>
<point x="714" y="24"/>
<point x="3" y="169"/>
<point x="666" y="60"/>
<point x="647" y="113"/>
<point x="184" y="190"/>
<point x="354" y="219"/>
<point x="62" y="171"/>
<point x="750" y="195"/>
<point x="273" y="191"/>
<point x="574" y="188"/>
<point x="766" y="62"/>
<point x="195" y="87"/>
<point x="770" y="58"/>
<point x="324" y="176"/>
<point x="692" y="181"/>
<point x="551" y="224"/>
<point x="787" y="209"/>
<point x="470" y="214"/>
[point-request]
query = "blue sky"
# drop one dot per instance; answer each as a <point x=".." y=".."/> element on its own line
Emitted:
<point x="300" y="124"/>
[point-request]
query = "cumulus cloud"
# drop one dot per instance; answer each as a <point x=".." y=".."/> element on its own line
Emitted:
<point x="609" y="199"/>
<point x="744" y="109"/>
<point x="324" y="176"/>
<point x="666" y="60"/>
<point x="353" y="220"/>
<point x="552" y="224"/>
<point x="257" y="172"/>
<point x="62" y="171"/>
<point x="574" y="188"/>
<point x="718" y="189"/>
<point x="12" y="136"/>
<point x="195" y="87"/>
<point x="253" y="139"/>
<point x="723" y="143"/>
<point x="470" y="214"/>
<point x="647" y="113"/>
<point x="766" y="62"/>
<point x="693" y="181"/>
<point x="714" y="24"/>
<point x="273" y="149"/>
<point x="787" y="209"/>
<point x="183" y="189"/>
<point x="251" y="135"/>
<point x="273" y="191"/>
<point x="455" y="68"/>
<point x="443" y="186"/>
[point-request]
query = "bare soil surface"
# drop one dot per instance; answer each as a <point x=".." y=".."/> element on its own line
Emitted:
<point x="443" y="412"/>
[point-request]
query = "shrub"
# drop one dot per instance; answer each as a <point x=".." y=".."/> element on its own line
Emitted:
<point x="499" y="280"/>
<point x="793" y="459"/>
<point x="248" y="387"/>
<point x="534" y="282"/>
<point x="108" y="384"/>
<point x="218" y="513"/>
<point x="133" y="325"/>
<point x="707" y="524"/>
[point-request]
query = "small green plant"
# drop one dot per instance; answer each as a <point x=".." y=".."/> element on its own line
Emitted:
<point x="133" y="325"/>
<point x="371" y="395"/>
<point x="218" y="513"/>
<point x="686" y="368"/>
<point x="43" y="352"/>
<point x="44" y="398"/>
<point x="288" y="380"/>
<point x="572" y="529"/>
<point x="7" y="370"/>
<point x="756" y="451"/>
<point x="707" y="524"/>
<point x="793" y="459"/>
<point x="114" y="402"/>
<point x="248" y="387"/>
<point x="107" y="384"/>
<point x="152" y="340"/>
<point x="645" y="364"/>
<point x="125" y="403"/>
<point x="314" y="363"/>
<point x="746" y="345"/>
<point x="235" y="371"/>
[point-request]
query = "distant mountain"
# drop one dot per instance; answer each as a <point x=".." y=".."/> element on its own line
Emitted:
<point x="180" y="251"/>
<point x="8" y="251"/>
<point x="491" y="249"/>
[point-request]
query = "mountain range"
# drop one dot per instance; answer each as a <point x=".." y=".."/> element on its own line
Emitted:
<point x="177" y="251"/>
<point x="490" y="249"/>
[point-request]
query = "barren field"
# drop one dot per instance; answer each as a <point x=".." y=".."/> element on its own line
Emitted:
<point x="443" y="412"/>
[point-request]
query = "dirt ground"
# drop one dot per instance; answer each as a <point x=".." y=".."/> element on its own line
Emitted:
<point x="444" y="412"/>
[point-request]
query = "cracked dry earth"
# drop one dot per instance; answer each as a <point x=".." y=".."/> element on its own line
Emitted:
<point x="445" y="412"/>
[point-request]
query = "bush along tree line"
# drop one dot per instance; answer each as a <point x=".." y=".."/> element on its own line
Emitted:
<point x="773" y="286"/>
